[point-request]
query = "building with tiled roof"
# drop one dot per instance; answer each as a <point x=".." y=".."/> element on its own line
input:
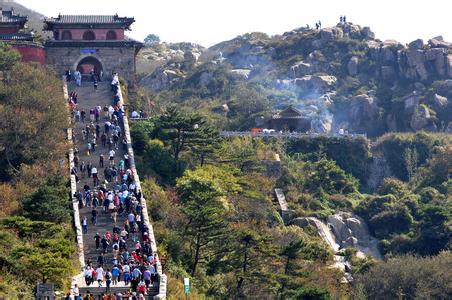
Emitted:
<point x="10" y="22"/>
<point x="12" y="32"/>
<point x="92" y="43"/>
<point x="290" y="119"/>
<point x="112" y="21"/>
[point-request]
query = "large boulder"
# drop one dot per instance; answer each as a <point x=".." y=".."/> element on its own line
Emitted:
<point x="363" y="109"/>
<point x="301" y="69"/>
<point x="331" y="33"/>
<point x="315" y="83"/>
<point x="449" y="65"/>
<point x="411" y="101"/>
<point x="438" y="57"/>
<point x="191" y="57"/>
<point x="420" y="118"/>
<point x="367" y="33"/>
<point x="352" y="66"/>
<point x="302" y="222"/>
<point x="340" y="230"/>
<point x="388" y="54"/>
<point x="416" y="60"/>
<point x="352" y="30"/>
<point x="416" y="44"/>
<point x="161" y="79"/>
<point x="438" y="42"/>
<point x="388" y="73"/>
<point x="439" y="101"/>
<point x="241" y="73"/>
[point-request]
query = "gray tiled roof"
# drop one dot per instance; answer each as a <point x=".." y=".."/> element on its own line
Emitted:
<point x="16" y="37"/>
<point x="8" y="16"/>
<point x="89" y="19"/>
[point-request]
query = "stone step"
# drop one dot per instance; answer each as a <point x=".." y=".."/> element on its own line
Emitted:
<point x="88" y="98"/>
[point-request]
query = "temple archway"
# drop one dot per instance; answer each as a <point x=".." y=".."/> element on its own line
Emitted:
<point x="66" y="35"/>
<point x="89" y="35"/>
<point x="111" y="35"/>
<point x="88" y="65"/>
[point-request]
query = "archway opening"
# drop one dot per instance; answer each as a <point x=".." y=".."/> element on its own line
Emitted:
<point x="66" y="35"/>
<point x="111" y="35"/>
<point x="88" y="67"/>
<point x="89" y="35"/>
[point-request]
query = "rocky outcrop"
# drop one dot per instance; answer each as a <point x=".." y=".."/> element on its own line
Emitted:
<point x="420" y="118"/>
<point x="438" y="42"/>
<point x="362" y="109"/>
<point x="301" y="69"/>
<point x="352" y="66"/>
<point x="317" y="83"/>
<point x="191" y="56"/>
<point x="416" y="44"/>
<point x="351" y="231"/>
<point x="378" y="171"/>
<point x="439" y="101"/>
<point x="161" y="79"/>
<point x="331" y="33"/>
<point x="241" y="73"/>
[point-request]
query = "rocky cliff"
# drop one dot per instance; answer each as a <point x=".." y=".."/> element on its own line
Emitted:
<point x="360" y="83"/>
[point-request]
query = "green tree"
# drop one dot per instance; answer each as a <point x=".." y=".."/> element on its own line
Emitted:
<point x="205" y="209"/>
<point x="33" y="118"/>
<point x="412" y="276"/>
<point x="326" y="175"/>
<point x="433" y="231"/>
<point x="239" y="152"/>
<point x="8" y="57"/>
<point x="182" y="130"/>
<point x="291" y="252"/>
<point x="151" y="39"/>
<point x="49" y="203"/>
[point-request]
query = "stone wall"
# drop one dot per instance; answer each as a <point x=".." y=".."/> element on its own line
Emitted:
<point x="77" y="224"/>
<point x="163" y="278"/>
<point x="113" y="59"/>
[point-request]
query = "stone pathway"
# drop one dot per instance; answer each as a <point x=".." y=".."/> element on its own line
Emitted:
<point x="87" y="99"/>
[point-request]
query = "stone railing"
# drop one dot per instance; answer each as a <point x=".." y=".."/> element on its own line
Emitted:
<point x="163" y="278"/>
<point x="77" y="224"/>
<point x="292" y="135"/>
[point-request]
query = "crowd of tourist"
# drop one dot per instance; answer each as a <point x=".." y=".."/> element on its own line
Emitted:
<point x="124" y="250"/>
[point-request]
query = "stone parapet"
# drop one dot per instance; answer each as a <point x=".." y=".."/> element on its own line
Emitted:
<point x="73" y="189"/>
<point x="163" y="278"/>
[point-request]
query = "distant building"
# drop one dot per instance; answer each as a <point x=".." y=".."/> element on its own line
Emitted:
<point x="92" y="43"/>
<point x="290" y="119"/>
<point x="12" y="32"/>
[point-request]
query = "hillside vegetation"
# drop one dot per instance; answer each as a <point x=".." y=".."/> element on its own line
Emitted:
<point x="342" y="77"/>
<point x="211" y="204"/>
<point x="36" y="236"/>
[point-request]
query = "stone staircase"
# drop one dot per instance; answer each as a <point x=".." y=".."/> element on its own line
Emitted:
<point x="87" y="99"/>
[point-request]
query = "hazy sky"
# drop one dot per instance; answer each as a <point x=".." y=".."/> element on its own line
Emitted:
<point x="211" y="21"/>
